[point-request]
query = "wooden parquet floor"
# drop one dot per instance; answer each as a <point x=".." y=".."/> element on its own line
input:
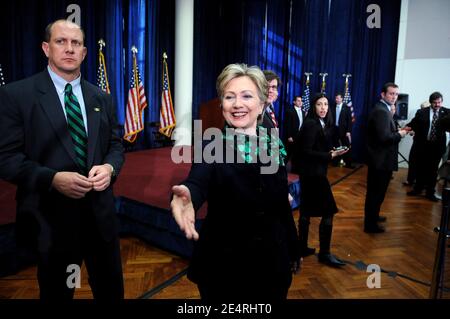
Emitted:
<point x="405" y="253"/>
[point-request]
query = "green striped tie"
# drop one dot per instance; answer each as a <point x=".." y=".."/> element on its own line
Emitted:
<point x="76" y="127"/>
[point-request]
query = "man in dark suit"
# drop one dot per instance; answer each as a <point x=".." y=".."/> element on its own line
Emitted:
<point x="59" y="143"/>
<point x="293" y="122"/>
<point x="270" y="119"/>
<point x="430" y="142"/>
<point x="342" y="135"/>
<point x="382" y="143"/>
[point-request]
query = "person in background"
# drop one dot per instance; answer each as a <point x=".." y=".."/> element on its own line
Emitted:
<point x="430" y="142"/>
<point x="382" y="144"/>
<point x="295" y="117"/>
<point x="342" y="135"/>
<point x="270" y="119"/>
<point x="314" y="151"/>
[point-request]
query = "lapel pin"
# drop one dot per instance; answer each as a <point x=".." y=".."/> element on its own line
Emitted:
<point x="96" y="109"/>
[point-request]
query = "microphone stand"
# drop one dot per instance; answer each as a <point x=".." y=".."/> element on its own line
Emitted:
<point x="437" y="280"/>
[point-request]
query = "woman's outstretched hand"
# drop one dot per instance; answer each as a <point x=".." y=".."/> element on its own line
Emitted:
<point x="183" y="211"/>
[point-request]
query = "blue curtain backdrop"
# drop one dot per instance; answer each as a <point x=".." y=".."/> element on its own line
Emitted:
<point x="288" y="36"/>
<point x="292" y="37"/>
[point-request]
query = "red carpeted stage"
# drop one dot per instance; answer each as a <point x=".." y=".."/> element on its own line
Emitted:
<point x="142" y="190"/>
<point x="146" y="177"/>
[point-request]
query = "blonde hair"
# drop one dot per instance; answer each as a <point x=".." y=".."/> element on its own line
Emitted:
<point x="233" y="71"/>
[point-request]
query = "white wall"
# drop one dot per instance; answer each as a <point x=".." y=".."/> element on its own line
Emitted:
<point x="420" y="72"/>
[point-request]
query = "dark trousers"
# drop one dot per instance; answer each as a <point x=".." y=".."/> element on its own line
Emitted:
<point x="427" y="167"/>
<point x="377" y="185"/>
<point x="325" y="231"/>
<point x="412" y="164"/>
<point x="102" y="260"/>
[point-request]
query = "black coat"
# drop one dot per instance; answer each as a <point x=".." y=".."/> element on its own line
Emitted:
<point x="420" y="124"/>
<point x="292" y="122"/>
<point x="311" y="158"/>
<point x="35" y="144"/>
<point x="344" y="126"/>
<point x="382" y="139"/>
<point x="267" y="119"/>
<point x="248" y="237"/>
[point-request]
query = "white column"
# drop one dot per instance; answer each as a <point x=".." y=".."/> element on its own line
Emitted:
<point x="184" y="53"/>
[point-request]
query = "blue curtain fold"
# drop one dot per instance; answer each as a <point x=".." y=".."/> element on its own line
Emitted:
<point x="114" y="55"/>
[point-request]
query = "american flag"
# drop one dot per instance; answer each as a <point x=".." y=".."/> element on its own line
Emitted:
<point x="102" y="78"/>
<point x="166" y="116"/>
<point x="305" y="97"/>
<point x="2" y="78"/>
<point x="137" y="102"/>
<point x="348" y="101"/>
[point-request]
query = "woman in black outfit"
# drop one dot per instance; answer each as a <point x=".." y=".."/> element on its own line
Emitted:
<point x="313" y="153"/>
<point x="247" y="247"/>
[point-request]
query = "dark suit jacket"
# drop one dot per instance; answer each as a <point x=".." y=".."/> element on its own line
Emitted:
<point x="382" y="139"/>
<point x="312" y="149"/>
<point x="313" y="145"/>
<point x="420" y="124"/>
<point x="267" y="119"/>
<point x="249" y="230"/>
<point x="35" y="144"/>
<point x="345" y="120"/>
<point x="292" y="122"/>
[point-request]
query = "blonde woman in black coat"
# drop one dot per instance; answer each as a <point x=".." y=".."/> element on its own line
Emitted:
<point x="313" y="153"/>
<point x="247" y="247"/>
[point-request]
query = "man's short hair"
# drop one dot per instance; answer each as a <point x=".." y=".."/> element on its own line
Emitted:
<point x="435" y="96"/>
<point x="270" y="75"/>
<point x="48" y="30"/>
<point x="387" y="86"/>
<point x="297" y="96"/>
<point x="339" y="94"/>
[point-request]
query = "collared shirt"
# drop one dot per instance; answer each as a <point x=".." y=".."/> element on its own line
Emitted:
<point x="300" y="116"/>
<point x="269" y="108"/>
<point x="338" y="113"/>
<point x="60" y="85"/>
<point x="322" y="122"/>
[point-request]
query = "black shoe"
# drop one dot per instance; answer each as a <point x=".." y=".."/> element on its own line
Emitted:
<point x="433" y="198"/>
<point x="374" y="229"/>
<point x="305" y="252"/>
<point x="414" y="193"/>
<point x="330" y="260"/>
<point x="381" y="219"/>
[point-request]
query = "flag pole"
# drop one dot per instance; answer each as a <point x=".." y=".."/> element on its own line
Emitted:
<point x="101" y="61"/>
<point x="323" y="75"/>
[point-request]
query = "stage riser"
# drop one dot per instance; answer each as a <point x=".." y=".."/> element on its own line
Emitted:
<point x="154" y="225"/>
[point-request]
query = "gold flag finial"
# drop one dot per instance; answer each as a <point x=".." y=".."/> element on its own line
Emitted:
<point x="101" y="43"/>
